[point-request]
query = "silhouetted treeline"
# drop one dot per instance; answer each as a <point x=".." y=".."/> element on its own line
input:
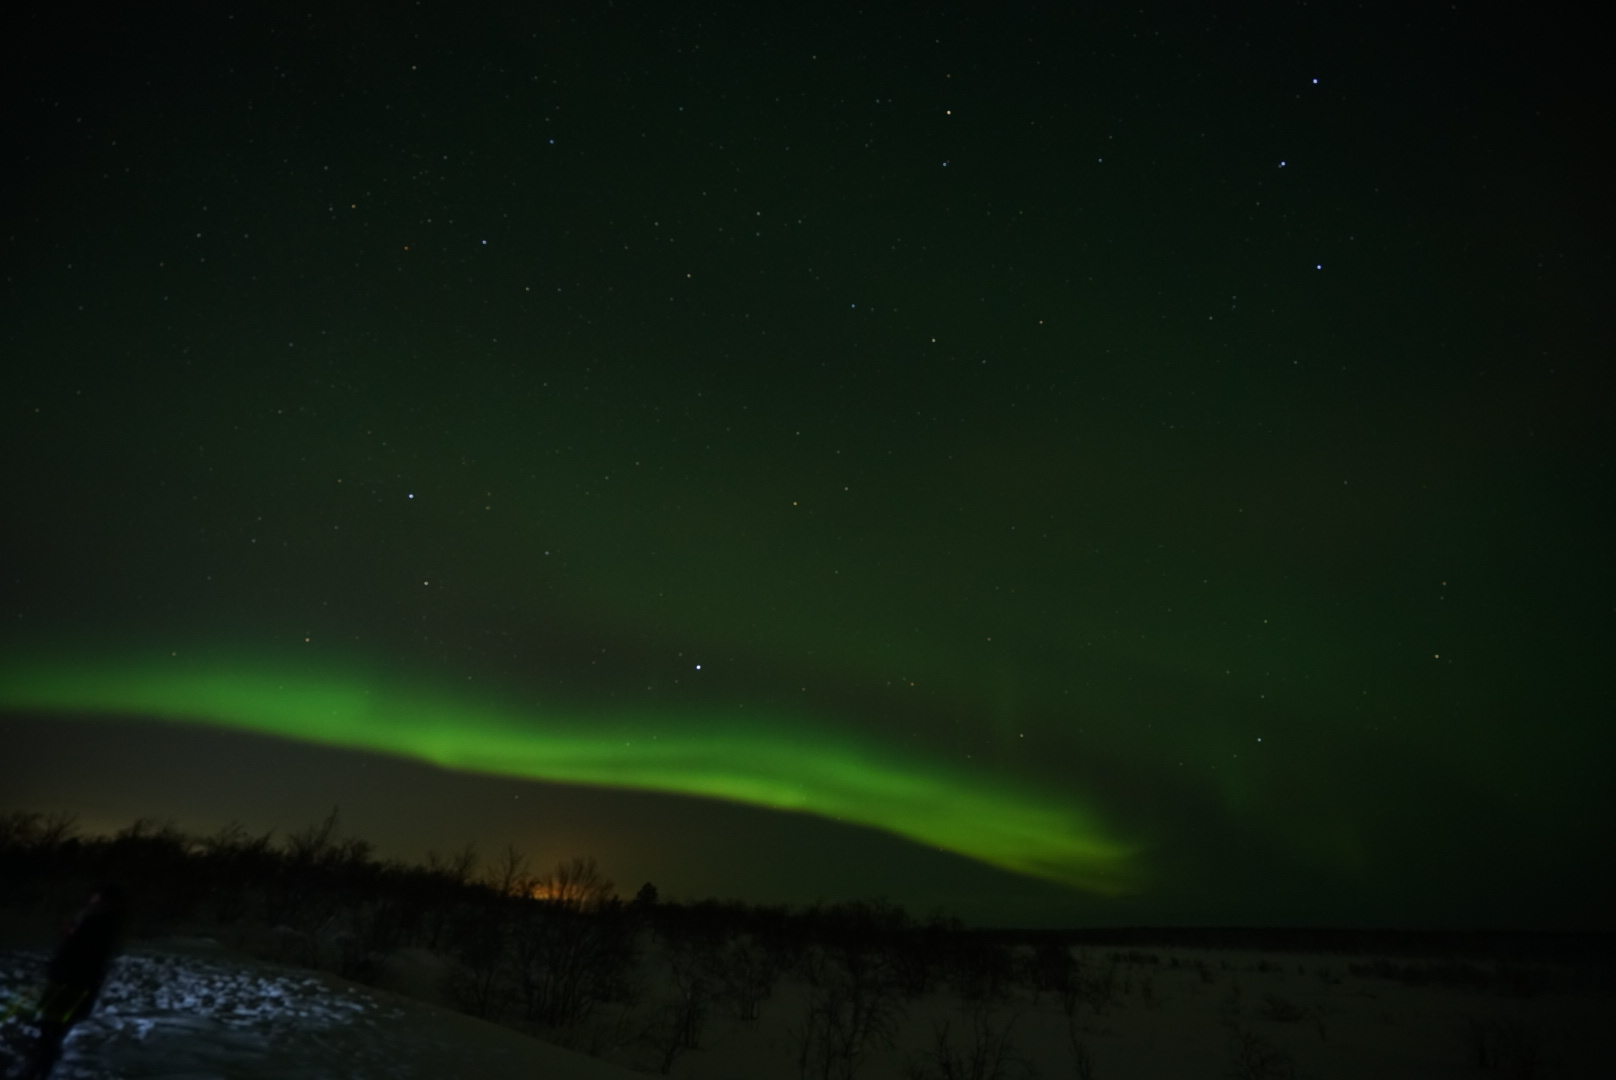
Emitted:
<point x="1539" y="946"/>
<point x="561" y="952"/>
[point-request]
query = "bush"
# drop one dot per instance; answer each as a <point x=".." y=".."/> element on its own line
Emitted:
<point x="979" y="1049"/>
<point x="1252" y="1057"/>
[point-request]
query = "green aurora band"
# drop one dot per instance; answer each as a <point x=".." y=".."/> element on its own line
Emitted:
<point x="783" y="765"/>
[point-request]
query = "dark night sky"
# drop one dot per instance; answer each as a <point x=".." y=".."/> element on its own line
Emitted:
<point x="1096" y="465"/>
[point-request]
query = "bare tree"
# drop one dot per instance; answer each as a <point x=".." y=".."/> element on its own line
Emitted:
<point x="311" y="844"/>
<point x="456" y="867"/>
<point x="32" y="831"/>
<point x="576" y="884"/>
<point x="568" y="961"/>
<point x="508" y="874"/>
<point x="747" y="972"/>
<point x="481" y="983"/>
<point x="854" y="1006"/>
<point x="981" y="1051"/>
<point x="442" y="889"/>
<point x="681" y="1019"/>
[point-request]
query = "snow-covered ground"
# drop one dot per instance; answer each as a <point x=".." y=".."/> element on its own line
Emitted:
<point x="191" y="1010"/>
<point x="178" y="1013"/>
<point x="1211" y="1015"/>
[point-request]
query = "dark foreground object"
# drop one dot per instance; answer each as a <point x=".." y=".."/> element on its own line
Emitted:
<point x="73" y="980"/>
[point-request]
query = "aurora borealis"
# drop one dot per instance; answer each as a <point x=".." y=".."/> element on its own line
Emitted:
<point x="1105" y="466"/>
<point x="698" y="755"/>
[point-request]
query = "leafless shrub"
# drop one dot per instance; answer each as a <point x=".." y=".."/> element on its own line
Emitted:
<point x="1454" y="973"/>
<point x="1101" y="990"/>
<point x="747" y="972"/>
<point x="576" y="884"/>
<point x="313" y="843"/>
<point x="979" y="1049"/>
<point x="1233" y="1006"/>
<point x="508" y="876"/>
<point x="854" y="1006"/>
<point x="1252" y="1057"/>
<point x="34" y="832"/>
<point x="480" y="985"/>
<point x="569" y="961"/>
<point x="1283" y="1010"/>
<point x="1514" y="1048"/>
<point x="1082" y="1060"/>
<point x="679" y="1022"/>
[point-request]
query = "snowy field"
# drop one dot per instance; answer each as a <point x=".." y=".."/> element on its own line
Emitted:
<point x="189" y="1010"/>
<point x="178" y="1013"/>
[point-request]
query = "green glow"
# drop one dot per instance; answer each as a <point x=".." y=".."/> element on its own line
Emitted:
<point x="775" y="761"/>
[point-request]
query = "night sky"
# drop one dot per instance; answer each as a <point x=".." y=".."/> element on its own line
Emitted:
<point x="1060" y="463"/>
